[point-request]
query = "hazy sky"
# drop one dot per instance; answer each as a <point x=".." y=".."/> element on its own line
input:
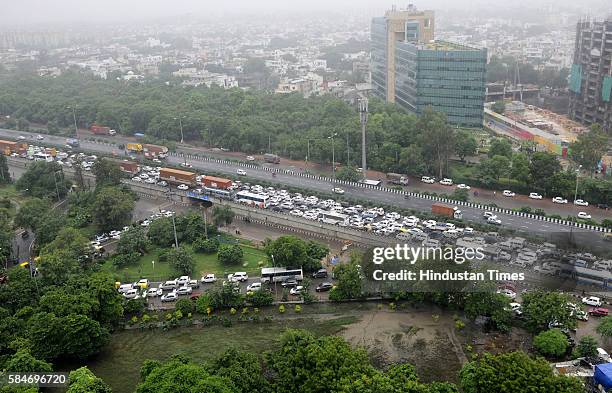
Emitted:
<point x="29" y="12"/>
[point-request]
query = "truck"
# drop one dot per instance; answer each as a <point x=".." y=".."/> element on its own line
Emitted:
<point x="134" y="147"/>
<point x="126" y="166"/>
<point x="101" y="130"/>
<point x="446" y="211"/>
<point x="271" y="158"/>
<point x="396" y="178"/>
<point x="154" y="151"/>
<point x="8" y="147"/>
<point x="72" y="142"/>
<point x="177" y="176"/>
<point x="216" y="182"/>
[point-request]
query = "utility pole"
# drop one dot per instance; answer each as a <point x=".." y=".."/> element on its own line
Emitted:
<point x="180" y="119"/>
<point x="174" y="227"/>
<point x="76" y="130"/>
<point x="333" y="158"/>
<point x="363" y="117"/>
<point x="348" y="151"/>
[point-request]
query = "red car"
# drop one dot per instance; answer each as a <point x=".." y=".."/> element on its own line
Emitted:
<point x="599" y="311"/>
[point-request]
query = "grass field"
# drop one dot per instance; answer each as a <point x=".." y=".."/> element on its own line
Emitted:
<point x="205" y="263"/>
<point x="119" y="364"/>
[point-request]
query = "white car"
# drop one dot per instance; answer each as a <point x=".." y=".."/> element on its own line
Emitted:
<point x="494" y="220"/>
<point x="169" y="297"/>
<point x="209" y="278"/>
<point x="297" y="290"/>
<point x="559" y="200"/>
<point x="516" y="308"/>
<point x="185" y="290"/>
<point x="183" y="280"/>
<point x="171" y="284"/>
<point x="488" y="214"/>
<point x="131" y="294"/>
<point x="136" y="179"/>
<point x="463" y="186"/>
<point x="427" y="179"/>
<point x="250" y="158"/>
<point x="446" y="182"/>
<point x="21" y="137"/>
<point x="535" y="195"/>
<point x="254" y="287"/>
<point x="40" y="137"/>
<point x="468" y="230"/>
<point x="338" y="190"/>
<point x="238" y="276"/>
<point x="584" y="216"/>
<point x="185" y="165"/>
<point x="593" y="301"/>
<point x="240" y="172"/>
<point x="580" y="202"/>
<point x="508" y="193"/>
<point x="143" y="176"/>
<point x="183" y="187"/>
<point x="154" y="292"/>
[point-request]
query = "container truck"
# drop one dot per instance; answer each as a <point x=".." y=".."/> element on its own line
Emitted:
<point x="271" y="158"/>
<point x="135" y="147"/>
<point x="216" y="182"/>
<point x="101" y="130"/>
<point x="154" y="151"/>
<point x="177" y="176"/>
<point x="8" y="147"/>
<point x="446" y="210"/>
<point x="396" y="178"/>
<point x="126" y="166"/>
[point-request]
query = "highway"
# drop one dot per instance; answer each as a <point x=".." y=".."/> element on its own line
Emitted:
<point x="548" y="230"/>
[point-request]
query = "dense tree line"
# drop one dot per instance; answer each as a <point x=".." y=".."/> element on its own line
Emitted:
<point x="503" y="69"/>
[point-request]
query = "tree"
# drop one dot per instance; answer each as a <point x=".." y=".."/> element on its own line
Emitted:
<point x="465" y="145"/>
<point x="348" y="173"/>
<point x="499" y="107"/>
<point x="207" y="246"/>
<point x="541" y="308"/>
<point x="23" y="362"/>
<point x="107" y="172"/>
<point x="590" y="147"/>
<point x="460" y="194"/>
<point x="43" y="180"/>
<point x="181" y="260"/>
<point x="134" y="240"/>
<point x="5" y="175"/>
<point x="260" y="298"/>
<point x="542" y="168"/>
<point x="242" y="368"/>
<point x="551" y="343"/>
<point x="56" y="268"/>
<point x="49" y="226"/>
<point x="500" y="147"/>
<point x="437" y="139"/>
<point x="316" y="250"/>
<point x="31" y="213"/>
<point x="491" y="170"/>
<point x="161" y="232"/>
<point x="520" y="168"/>
<point x="605" y="327"/>
<point x="230" y="254"/>
<point x="82" y="380"/>
<point x="514" y="372"/>
<point x="185" y="306"/>
<point x="349" y="282"/>
<point x="112" y="209"/>
<point x="222" y="215"/>
<point x="70" y="242"/>
<point x="586" y="347"/>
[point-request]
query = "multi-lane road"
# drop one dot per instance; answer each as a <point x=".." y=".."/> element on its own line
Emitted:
<point x="548" y="230"/>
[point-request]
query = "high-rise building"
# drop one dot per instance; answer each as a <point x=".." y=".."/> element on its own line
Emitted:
<point x="411" y="69"/>
<point x="449" y="77"/>
<point x="397" y="25"/>
<point x="591" y="74"/>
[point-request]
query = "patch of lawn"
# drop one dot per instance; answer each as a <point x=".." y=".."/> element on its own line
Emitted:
<point x="205" y="263"/>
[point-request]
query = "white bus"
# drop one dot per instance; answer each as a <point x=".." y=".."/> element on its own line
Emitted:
<point x="217" y="192"/>
<point x="333" y="218"/>
<point x="250" y="198"/>
<point x="42" y="156"/>
<point x="279" y="274"/>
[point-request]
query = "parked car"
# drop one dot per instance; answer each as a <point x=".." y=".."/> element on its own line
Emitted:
<point x="463" y="186"/>
<point x="324" y="286"/>
<point x="289" y="283"/>
<point x="209" y="278"/>
<point x="427" y="179"/>
<point x="170" y="284"/>
<point x="241" y="172"/>
<point x="508" y="193"/>
<point x="296" y="291"/>
<point x="598" y="311"/>
<point x="592" y="301"/>
<point x="169" y="297"/>
<point x="584" y="216"/>
<point x="131" y="294"/>
<point x="153" y="292"/>
<point x="559" y="200"/>
<point x="446" y="182"/>
<point x="184" y="290"/>
<point x="125" y="287"/>
<point x="182" y="280"/>
<point x="238" y="276"/>
<point x="338" y="190"/>
<point x="516" y="308"/>
<point x="535" y="195"/>
<point x="254" y="287"/>
<point x="321" y="273"/>
<point x="581" y="202"/>
<point x="193" y="284"/>
<point x="183" y="187"/>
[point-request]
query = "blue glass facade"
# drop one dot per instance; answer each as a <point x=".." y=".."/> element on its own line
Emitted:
<point x="378" y="54"/>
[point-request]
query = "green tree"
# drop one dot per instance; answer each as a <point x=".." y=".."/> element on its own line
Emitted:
<point x="605" y="327"/>
<point x="134" y="240"/>
<point x="23" y="362"/>
<point x="242" y="368"/>
<point x="540" y="309"/>
<point x="551" y="343"/>
<point x="161" y="232"/>
<point x="70" y="242"/>
<point x="586" y="347"/>
<point x="291" y="251"/>
<point x="519" y="170"/>
<point x="437" y="139"/>
<point x="207" y="246"/>
<point x="590" y="147"/>
<point x="230" y="254"/>
<point x="31" y="213"/>
<point x="348" y="173"/>
<point x="514" y="372"/>
<point x="500" y="147"/>
<point x="223" y="215"/>
<point x="181" y="260"/>
<point x="260" y="298"/>
<point x="107" y="172"/>
<point x="543" y="167"/>
<point x="499" y="107"/>
<point x="349" y="282"/>
<point x="112" y="209"/>
<point x="82" y="380"/>
<point x="465" y="145"/>
<point x="5" y="175"/>
<point x="43" y="180"/>
<point x="492" y="169"/>
<point x="185" y="306"/>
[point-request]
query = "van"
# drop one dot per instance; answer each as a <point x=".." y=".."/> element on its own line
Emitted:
<point x="170" y="284"/>
<point x="238" y="276"/>
<point x="403" y="236"/>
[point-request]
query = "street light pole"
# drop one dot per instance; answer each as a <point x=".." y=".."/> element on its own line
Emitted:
<point x="363" y="117"/>
<point x="333" y="158"/>
<point x="576" y="191"/>
<point x="76" y="129"/>
<point x="180" y="119"/>
<point x="174" y="227"/>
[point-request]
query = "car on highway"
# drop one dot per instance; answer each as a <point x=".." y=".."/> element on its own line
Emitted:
<point x="559" y="200"/>
<point x="185" y="165"/>
<point x="321" y="273"/>
<point x="184" y="290"/>
<point x="238" y="277"/>
<point x="581" y="202"/>
<point x="446" y="182"/>
<point x="592" y="301"/>
<point x="494" y="220"/>
<point x="241" y="172"/>
<point x="169" y="297"/>
<point x="21" y="137"/>
<point x="296" y="291"/>
<point x="40" y="137"/>
<point x="250" y="158"/>
<point x="534" y="195"/>
<point x="254" y="287"/>
<point x="603" y="206"/>
<point x="428" y="180"/>
<point x="584" y="216"/>
<point x="599" y="311"/>
<point x="137" y="179"/>
<point x="338" y="190"/>
<point x="183" y="187"/>
<point x="463" y="186"/>
<point x="508" y="193"/>
<point x="209" y="278"/>
<point x="324" y="287"/>
<point x="162" y="183"/>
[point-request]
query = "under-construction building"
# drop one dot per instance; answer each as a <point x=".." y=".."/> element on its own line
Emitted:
<point x="591" y="74"/>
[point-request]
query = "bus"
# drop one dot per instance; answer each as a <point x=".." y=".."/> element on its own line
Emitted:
<point x="279" y="274"/>
<point x="42" y="156"/>
<point x="217" y="192"/>
<point x="600" y="278"/>
<point x="333" y="218"/>
<point x="250" y="198"/>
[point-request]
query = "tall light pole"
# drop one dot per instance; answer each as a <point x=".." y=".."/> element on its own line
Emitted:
<point x="576" y="191"/>
<point x="363" y="118"/>
<point x="333" y="158"/>
<point x="76" y="129"/>
<point x="174" y="228"/>
<point x="180" y="119"/>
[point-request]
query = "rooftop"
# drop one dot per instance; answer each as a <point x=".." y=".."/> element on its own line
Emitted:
<point x="439" y="45"/>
